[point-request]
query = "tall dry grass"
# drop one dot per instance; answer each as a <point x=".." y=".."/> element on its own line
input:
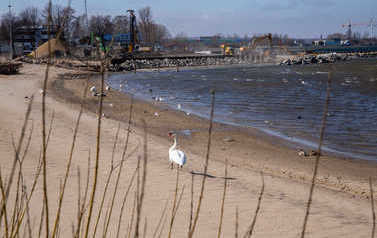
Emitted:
<point x="12" y="213"/>
<point x="372" y="208"/>
<point x="316" y="164"/>
<point x="205" y="169"/>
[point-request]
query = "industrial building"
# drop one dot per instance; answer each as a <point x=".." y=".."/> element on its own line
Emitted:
<point x="27" y="39"/>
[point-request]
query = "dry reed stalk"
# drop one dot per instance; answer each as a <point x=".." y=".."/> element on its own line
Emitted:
<point x="4" y="206"/>
<point x="78" y="199"/>
<point x="137" y="185"/>
<point x="18" y="204"/>
<point x="372" y="207"/>
<point x="322" y="133"/>
<point x="41" y="221"/>
<point x="98" y="146"/>
<point x="124" y="201"/>
<point x="14" y="226"/>
<point x="165" y="217"/>
<point x="179" y="203"/>
<point x="20" y="175"/>
<point x="16" y="156"/>
<point x="107" y="180"/>
<point x="18" y="216"/>
<point x="143" y="180"/>
<point x="191" y="233"/>
<point x="68" y="168"/>
<point x="191" y="201"/>
<point x="136" y="198"/>
<point x="174" y="203"/>
<point x="162" y="227"/>
<point x="223" y="200"/>
<point x="17" y="192"/>
<point x="50" y="129"/>
<point x="145" y="228"/>
<point x="20" y="179"/>
<point x="30" y="231"/>
<point x="161" y="218"/>
<point x="121" y="164"/>
<point x="44" y="150"/>
<point x="24" y="193"/>
<point x="83" y="203"/>
<point x="28" y="198"/>
<point x="250" y="230"/>
<point x="236" y="224"/>
<point x="104" y="223"/>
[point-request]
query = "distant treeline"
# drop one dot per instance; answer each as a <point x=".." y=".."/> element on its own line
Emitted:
<point x="79" y="27"/>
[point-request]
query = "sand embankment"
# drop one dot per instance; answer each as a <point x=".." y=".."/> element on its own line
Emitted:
<point x="335" y="213"/>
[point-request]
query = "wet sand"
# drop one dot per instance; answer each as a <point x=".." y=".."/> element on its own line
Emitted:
<point x="340" y="205"/>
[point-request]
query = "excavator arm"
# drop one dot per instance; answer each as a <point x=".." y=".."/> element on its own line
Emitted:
<point x="257" y="40"/>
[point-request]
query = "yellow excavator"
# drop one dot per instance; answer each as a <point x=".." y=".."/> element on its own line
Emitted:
<point x="227" y="49"/>
<point x="257" y="40"/>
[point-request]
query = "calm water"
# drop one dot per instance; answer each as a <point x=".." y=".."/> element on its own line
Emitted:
<point x="286" y="101"/>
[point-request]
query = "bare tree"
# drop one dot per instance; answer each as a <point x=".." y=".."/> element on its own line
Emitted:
<point x="7" y="20"/>
<point x="151" y="32"/>
<point x="121" y="24"/>
<point x="146" y="24"/>
<point x="4" y="26"/>
<point x="161" y="33"/>
<point x="60" y="17"/>
<point x="79" y="28"/>
<point x="30" y="17"/>
<point x="101" y="25"/>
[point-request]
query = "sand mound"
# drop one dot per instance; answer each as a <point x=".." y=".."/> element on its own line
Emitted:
<point x="42" y="51"/>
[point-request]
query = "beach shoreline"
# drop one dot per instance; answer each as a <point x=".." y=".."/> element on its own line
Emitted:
<point x="341" y="207"/>
<point x="242" y="146"/>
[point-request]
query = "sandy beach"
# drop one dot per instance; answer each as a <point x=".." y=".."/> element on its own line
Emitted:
<point x="341" y="204"/>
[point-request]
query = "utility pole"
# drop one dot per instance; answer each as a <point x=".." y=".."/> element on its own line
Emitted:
<point x="372" y="25"/>
<point x="349" y="31"/>
<point x="86" y="18"/>
<point x="133" y="31"/>
<point x="10" y="31"/>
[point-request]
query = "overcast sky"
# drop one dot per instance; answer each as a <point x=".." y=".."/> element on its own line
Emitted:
<point x="297" y="18"/>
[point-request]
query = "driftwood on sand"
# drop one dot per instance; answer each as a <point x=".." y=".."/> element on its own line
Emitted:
<point x="10" y="67"/>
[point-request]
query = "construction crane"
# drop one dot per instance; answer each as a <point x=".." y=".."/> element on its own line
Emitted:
<point x="371" y="24"/>
<point x="133" y="32"/>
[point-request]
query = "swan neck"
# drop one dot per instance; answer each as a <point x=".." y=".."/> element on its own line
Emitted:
<point x="174" y="144"/>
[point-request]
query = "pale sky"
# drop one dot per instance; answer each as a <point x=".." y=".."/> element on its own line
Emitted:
<point x="297" y="18"/>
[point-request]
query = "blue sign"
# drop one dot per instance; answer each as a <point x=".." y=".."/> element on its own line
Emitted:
<point x="118" y="38"/>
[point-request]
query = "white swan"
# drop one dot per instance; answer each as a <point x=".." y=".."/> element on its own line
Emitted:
<point x="93" y="89"/>
<point x="176" y="156"/>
